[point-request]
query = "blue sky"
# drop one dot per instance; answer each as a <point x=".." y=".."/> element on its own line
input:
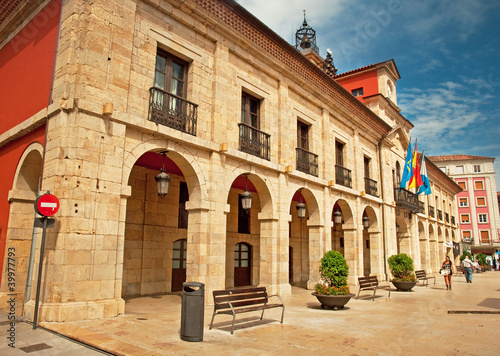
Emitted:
<point x="447" y="53"/>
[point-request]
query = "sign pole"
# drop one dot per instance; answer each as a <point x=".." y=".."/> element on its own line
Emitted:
<point x="35" y="317"/>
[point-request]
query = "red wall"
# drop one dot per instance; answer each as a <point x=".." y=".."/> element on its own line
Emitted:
<point x="368" y="81"/>
<point x="26" y="67"/>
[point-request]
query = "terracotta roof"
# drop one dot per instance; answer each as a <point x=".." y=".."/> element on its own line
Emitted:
<point x="368" y="67"/>
<point x="457" y="157"/>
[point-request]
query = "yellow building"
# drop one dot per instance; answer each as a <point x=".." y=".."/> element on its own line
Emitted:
<point x="205" y="91"/>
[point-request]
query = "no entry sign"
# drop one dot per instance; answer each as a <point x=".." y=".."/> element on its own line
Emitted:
<point x="47" y="205"/>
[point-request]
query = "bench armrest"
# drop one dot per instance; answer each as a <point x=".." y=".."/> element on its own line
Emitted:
<point x="276" y="295"/>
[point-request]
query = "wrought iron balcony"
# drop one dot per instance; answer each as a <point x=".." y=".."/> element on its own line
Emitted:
<point x="371" y="187"/>
<point x="307" y="162"/>
<point x="343" y="176"/>
<point x="432" y="213"/>
<point x="447" y="217"/>
<point x="254" y="141"/>
<point x="408" y="200"/>
<point x="172" y="111"/>
<point x="440" y="215"/>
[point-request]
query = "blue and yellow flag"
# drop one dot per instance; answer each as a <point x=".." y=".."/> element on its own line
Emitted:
<point x="408" y="168"/>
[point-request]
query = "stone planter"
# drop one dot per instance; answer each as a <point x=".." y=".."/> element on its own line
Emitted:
<point x="334" y="302"/>
<point x="404" y="286"/>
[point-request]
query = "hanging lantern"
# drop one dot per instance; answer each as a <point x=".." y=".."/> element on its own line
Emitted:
<point x="301" y="207"/>
<point x="162" y="180"/>
<point x="337" y="217"/>
<point x="246" y="197"/>
<point x="366" y="222"/>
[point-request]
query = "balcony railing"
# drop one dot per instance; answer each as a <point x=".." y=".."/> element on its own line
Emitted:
<point x="343" y="176"/>
<point x="447" y="217"/>
<point x="408" y="200"/>
<point x="432" y="213"/>
<point x="172" y="111"/>
<point x="307" y="162"/>
<point x="440" y="215"/>
<point x="371" y="187"/>
<point x="254" y="142"/>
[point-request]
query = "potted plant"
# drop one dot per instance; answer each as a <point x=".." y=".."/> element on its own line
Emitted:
<point x="403" y="274"/>
<point x="333" y="291"/>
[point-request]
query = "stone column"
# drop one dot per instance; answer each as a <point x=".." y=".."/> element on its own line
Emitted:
<point x="352" y="253"/>
<point x="316" y="233"/>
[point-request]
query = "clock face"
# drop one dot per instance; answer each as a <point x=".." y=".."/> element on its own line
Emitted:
<point x="389" y="91"/>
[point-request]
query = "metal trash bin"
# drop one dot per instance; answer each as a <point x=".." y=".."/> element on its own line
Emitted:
<point x="193" y="310"/>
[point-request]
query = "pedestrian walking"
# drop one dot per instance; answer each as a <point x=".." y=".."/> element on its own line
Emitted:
<point x="447" y="271"/>
<point x="467" y="264"/>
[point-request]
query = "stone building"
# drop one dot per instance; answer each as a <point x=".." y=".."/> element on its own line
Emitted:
<point x="104" y="95"/>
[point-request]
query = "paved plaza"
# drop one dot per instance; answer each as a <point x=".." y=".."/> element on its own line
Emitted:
<point x="427" y="321"/>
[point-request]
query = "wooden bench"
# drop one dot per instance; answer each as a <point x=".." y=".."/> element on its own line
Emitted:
<point x="238" y="301"/>
<point x="371" y="283"/>
<point x="422" y="276"/>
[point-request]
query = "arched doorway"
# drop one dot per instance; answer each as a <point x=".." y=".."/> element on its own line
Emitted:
<point x="298" y="242"/>
<point x="179" y="254"/>
<point x="372" y="245"/>
<point x="20" y="224"/>
<point x="242" y="264"/>
<point x="433" y="249"/>
<point x="155" y="256"/>
<point x="423" y="246"/>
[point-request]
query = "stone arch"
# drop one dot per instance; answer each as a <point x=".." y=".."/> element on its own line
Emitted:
<point x="371" y="244"/>
<point x="28" y="172"/>
<point x="266" y="194"/>
<point x="183" y="158"/>
<point x="19" y="233"/>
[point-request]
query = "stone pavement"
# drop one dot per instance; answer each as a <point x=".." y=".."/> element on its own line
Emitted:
<point x="416" y="322"/>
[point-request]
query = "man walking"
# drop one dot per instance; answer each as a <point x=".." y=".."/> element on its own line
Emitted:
<point x="467" y="264"/>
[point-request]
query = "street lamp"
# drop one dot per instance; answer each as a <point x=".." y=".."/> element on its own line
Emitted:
<point x="301" y="207"/>
<point x="337" y="217"/>
<point x="162" y="179"/>
<point x="366" y="222"/>
<point x="246" y="197"/>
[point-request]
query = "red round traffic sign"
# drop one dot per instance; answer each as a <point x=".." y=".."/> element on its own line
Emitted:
<point x="47" y="205"/>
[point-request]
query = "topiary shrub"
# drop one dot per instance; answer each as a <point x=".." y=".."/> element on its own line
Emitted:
<point x="333" y="271"/>
<point x="401" y="267"/>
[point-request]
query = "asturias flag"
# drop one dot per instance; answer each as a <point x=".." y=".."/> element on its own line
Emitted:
<point x="408" y="169"/>
<point x="425" y="188"/>
<point x="416" y="178"/>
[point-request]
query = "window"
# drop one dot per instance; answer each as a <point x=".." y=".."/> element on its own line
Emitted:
<point x="465" y="218"/>
<point x="485" y="236"/>
<point x="459" y="169"/>
<point x="462" y="184"/>
<point x="481" y="201"/>
<point x="466" y="235"/>
<point x="182" y="222"/>
<point x="463" y="202"/>
<point x="477" y="168"/>
<point x="170" y="74"/>
<point x="357" y="92"/>
<point x="367" y="167"/>
<point x="250" y="110"/>
<point x="478" y="185"/>
<point x="302" y="136"/>
<point x="243" y="218"/>
<point x="339" y="153"/>
<point x="483" y="218"/>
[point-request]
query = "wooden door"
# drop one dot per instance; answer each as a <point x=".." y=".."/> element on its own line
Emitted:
<point x="242" y="264"/>
<point x="179" y="264"/>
